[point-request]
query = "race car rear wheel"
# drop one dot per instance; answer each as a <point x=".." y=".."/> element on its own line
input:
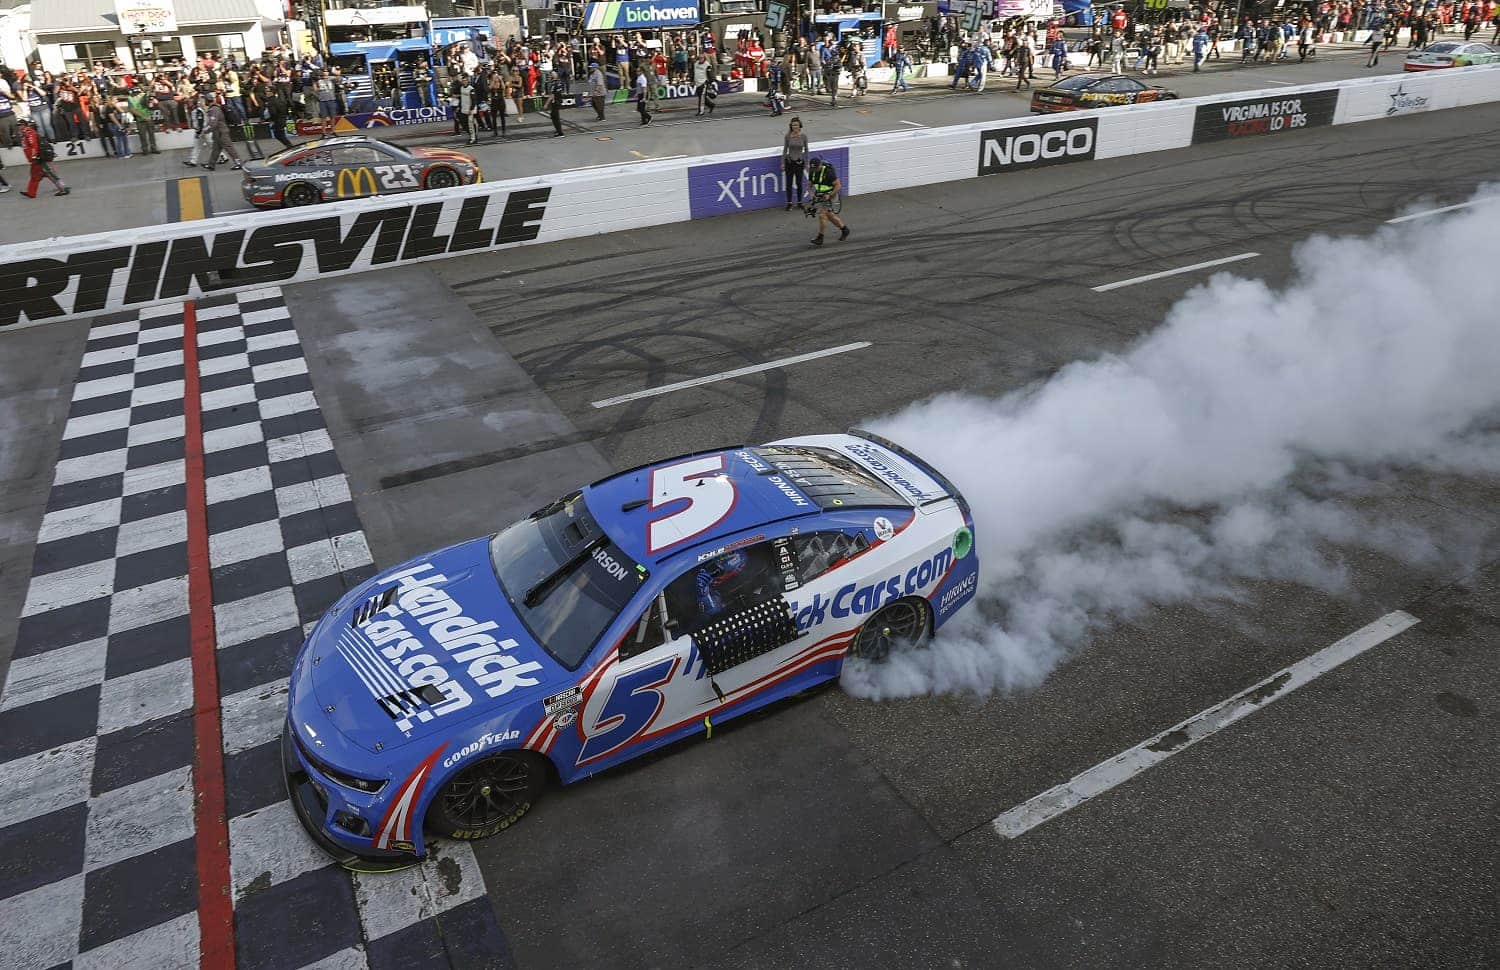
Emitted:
<point x="301" y="193"/>
<point x="901" y="624"/>
<point x="442" y="178"/>
<point x="488" y="795"/>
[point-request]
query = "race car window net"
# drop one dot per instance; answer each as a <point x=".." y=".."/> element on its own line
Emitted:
<point x="563" y="577"/>
<point x="828" y="478"/>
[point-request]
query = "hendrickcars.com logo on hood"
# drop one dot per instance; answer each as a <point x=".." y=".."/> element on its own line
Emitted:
<point x="427" y="640"/>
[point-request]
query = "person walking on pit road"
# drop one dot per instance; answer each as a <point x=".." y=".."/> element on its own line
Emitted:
<point x="554" y="105"/>
<point x="40" y="154"/>
<point x="598" y="89"/>
<point x="826" y="188"/>
<point x="1376" y="39"/>
<point x="642" y="95"/>
<point x="218" y="125"/>
<point x="793" y="161"/>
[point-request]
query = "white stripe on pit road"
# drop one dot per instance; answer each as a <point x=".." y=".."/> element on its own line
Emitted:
<point x="1103" y="287"/>
<point x="610" y="402"/>
<point x="632" y="161"/>
<point x="1122" y="767"/>
<point x="1447" y="208"/>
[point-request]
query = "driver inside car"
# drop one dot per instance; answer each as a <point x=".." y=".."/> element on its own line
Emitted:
<point x="717" y="582"/>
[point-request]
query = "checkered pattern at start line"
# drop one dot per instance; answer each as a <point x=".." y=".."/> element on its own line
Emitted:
<point x="98" y="849"/>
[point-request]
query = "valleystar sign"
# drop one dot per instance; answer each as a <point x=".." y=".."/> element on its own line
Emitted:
<point x="638" y="14"/>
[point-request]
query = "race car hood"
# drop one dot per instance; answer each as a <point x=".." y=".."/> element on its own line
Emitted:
<point x="420" y="649"/>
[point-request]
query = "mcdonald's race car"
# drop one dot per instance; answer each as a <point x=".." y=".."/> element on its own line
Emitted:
<point x="1450" y="53"/>
<point x="1095" y="91"/>
<point x="440" y="696"/>
<point x="352" y="167"/>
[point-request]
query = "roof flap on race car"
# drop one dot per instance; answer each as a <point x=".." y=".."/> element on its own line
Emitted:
<point x="906" y="474"/>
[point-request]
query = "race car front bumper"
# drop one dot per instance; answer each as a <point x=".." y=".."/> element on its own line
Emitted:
<point x="309" y="797"/>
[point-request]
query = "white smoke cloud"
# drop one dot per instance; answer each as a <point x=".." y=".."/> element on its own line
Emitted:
<point x="1223" y="446"/>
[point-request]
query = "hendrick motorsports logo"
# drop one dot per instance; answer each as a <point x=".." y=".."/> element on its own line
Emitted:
<point x="1401" y="102"/>
<point x="1263" y="116"/>
<point x="1012" y="149"/>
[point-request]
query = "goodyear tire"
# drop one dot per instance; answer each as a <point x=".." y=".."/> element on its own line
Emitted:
<point x="441" y="178"/>
<point x="902" y="624"/>
<point x="488" y="796"/>
<point x="301" y="193"/>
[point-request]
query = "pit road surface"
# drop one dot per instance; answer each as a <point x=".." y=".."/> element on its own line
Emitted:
<point x="126" y="194"/>
<point x="1352" y="823"/>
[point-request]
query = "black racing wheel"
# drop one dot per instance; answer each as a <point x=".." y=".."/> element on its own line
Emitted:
<point x="488" y="795"/>
<point x="901" y="624"/>
<point x="301" y="193"/>
<point x="442" y="178"/>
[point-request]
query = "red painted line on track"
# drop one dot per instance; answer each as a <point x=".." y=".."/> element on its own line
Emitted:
<point x="215" y="906"/>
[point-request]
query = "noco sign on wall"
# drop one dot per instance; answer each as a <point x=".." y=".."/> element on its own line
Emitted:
<point x="1263" y="116"/>
<point x="1015" y="148"/>
<point x="639" y="14"/>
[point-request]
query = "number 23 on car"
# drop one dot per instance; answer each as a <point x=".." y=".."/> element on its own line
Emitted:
<point x="444" y="694"/>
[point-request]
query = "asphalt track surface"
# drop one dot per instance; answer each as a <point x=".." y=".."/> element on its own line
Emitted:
<point x="1352" y="824"/>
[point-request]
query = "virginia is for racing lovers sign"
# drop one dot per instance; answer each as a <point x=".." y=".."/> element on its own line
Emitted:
<point x="1264" y="116"/>
<point x="186" y="264"/>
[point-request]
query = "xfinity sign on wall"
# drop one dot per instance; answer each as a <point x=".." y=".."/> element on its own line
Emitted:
<point x="638" y="14"/>
<point x="1052" y="143"/>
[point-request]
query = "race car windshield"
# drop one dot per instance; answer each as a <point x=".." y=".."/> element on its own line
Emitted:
<point x="829" y="478"/>
<point x="563" y="577"/>
<point x="1074" y="83"/>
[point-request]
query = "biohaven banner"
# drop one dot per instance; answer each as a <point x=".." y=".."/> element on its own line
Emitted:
<point x="750" y="183"/>
<point x="640" y="14"/>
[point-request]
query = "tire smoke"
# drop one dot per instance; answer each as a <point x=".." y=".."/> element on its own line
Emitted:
<point x="1222" y="447"/>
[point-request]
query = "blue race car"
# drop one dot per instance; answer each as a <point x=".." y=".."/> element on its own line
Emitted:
<point x="442" y="695"/>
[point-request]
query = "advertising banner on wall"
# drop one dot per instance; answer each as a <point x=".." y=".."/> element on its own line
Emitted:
<point x="1028" y="9"/>
<point x="1263" y="116"/>
<point x="752" y="183"/>
<point x="639" y="14"/>
<point x="1013" y="148"/>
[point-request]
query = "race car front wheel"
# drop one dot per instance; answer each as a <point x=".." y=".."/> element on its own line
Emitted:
<point x="488" y="796"/>
<point x="442" y="178"/>
<point x="897" y="625"/>
<point x="300" y="193"/>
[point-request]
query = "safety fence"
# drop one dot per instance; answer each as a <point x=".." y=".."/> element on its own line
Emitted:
<point x="61" y="277"/>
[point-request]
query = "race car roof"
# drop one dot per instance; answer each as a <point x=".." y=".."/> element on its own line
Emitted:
<point x="655" y="511"/>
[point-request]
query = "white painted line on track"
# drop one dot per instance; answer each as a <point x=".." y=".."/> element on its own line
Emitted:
<point x="730" y="374"/>
<point x="1283" y="83"/>
<point x="631" y="161"/>
<point x="1172" y="272"/>
<point x="914" y="124"/>
<point x="1122" y="767"/>
<point x="1447" y="208"/>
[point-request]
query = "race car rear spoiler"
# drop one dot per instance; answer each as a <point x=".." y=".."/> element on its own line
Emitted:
<point x="912" y="476"/>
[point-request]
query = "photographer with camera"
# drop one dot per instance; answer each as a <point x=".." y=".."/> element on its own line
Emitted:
<point x="826" y="189"/>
